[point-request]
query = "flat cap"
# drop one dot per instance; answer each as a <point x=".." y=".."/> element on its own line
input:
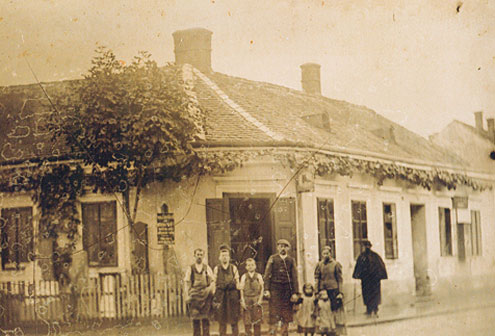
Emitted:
<point x="224" y="247"/>
<point x="326" y="248"/>
<point x="283" y="241"/>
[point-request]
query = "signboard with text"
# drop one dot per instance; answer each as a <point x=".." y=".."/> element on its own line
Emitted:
<point x="165" y="227"/>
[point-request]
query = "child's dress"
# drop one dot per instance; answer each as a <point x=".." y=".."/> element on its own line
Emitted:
<point x="305" y="315"/>
<point x="325" y="320"/>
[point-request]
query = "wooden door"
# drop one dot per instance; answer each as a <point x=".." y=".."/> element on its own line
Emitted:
<point x="284" y="212"/>
<point x="218" y="228"/>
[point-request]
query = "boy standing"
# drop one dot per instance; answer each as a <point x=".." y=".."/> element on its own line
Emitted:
<point x="251" y="298"/>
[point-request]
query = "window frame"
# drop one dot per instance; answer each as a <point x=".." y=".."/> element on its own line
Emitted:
<point x="446" y="236"/>
<point x="476" y="234"/>
<point x="329" y="225"/>
<point x="393" y="223"/>
<point x="114" y="232"/>
<point x="18" y="263"/>
<point x="361" y="223"/>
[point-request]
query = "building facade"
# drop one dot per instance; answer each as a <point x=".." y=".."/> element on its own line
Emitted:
<point x="309" y="169"/>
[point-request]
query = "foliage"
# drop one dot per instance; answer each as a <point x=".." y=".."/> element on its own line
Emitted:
<point x="122" y="118"/>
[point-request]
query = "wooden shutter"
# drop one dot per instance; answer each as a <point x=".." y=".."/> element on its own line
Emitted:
<point x="140" y="248"/>
<point x="218" y="228"/>
<point x="285" y="222"/>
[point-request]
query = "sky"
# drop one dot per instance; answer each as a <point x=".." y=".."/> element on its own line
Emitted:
<point x="419" y="63"/>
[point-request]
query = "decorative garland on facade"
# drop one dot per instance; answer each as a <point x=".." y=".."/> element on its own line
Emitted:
<point x="56" y="188"/>
<point x="220" y="162"/>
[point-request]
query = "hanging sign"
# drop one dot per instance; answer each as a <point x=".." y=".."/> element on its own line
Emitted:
<point x="165" y="227"/>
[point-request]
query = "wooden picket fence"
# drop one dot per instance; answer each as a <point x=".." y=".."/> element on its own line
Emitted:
<point x="108" y="297"/>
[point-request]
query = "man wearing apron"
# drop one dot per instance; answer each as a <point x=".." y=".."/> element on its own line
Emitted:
<point x="199" y="289"/>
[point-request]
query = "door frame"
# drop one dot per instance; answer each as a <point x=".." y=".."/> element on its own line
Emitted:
<point x="421" y="280"/>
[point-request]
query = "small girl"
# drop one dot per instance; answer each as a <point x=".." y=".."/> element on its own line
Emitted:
<point x="325" y="319"/>
<point x="305" y="315"/>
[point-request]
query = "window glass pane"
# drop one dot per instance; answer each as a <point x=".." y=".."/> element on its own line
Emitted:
<point x="99" y="233"/>
<point x="445" y="231"/>
<point x="390" y="231"/>
<point x="359" y="225"/>
<point x="326" y="225"/>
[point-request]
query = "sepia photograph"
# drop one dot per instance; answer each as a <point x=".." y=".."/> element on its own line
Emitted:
<point x="247" y="168"/>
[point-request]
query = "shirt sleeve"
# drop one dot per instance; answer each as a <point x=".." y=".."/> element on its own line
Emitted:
<point x="236" y="273"/>
<point x="187" y="277"/>
<point x="295" y="281"/>
<point x="260" y="279"/>
<point x="210" y="272"/>
<point x="243" y="281"/>
<point x="338" y="275"/>
<point x="268" y="273"/>
<point x="215" y="273"/>
<point x="317" y="276"/>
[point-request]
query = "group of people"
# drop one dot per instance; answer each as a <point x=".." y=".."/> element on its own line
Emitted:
<point x="226" y="296"/>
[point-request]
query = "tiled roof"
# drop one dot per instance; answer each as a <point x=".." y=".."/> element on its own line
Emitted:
<point x="281" y="110"/>
<point x="24" y="110"/>
<point x="463" y="139"/>
<point x="239" y="112"/>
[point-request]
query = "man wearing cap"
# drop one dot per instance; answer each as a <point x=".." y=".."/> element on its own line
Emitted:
<point x="281" y="287"/>
<point x="370" y="269"/>
<point x="227" y="296"/>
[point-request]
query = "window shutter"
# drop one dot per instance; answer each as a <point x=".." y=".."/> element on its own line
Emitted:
<point x="285" y="222"/>
<point x="218" y="228"/>
<point x="140" y="248"/>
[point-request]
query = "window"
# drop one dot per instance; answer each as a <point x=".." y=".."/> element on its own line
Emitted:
<point x="99" y="233"/>
<point x="359" y="225"/>
<point x="445" y="232"/>
<point x="390" y="231"/>
<point x="476" y="233"/>
<point x="326" y="224"/>
<point x="16" y="226"/>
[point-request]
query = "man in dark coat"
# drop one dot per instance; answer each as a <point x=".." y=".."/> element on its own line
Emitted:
<point x="281" y="287"/>
<point x="370" y="269"/>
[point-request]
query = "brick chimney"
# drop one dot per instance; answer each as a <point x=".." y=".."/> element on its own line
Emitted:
<point x="193" y="46"/>
<point x="478" y="121"/>
<point x="491" y="128"/>
<point x="310" y="78"/>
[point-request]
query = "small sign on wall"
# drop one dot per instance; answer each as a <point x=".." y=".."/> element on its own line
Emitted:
<point x="165" y="227"/>
<point x="305" y="181"/>
<point x="459" y="202"/>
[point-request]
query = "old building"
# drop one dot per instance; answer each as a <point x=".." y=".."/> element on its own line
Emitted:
<point x="307" y="168"/>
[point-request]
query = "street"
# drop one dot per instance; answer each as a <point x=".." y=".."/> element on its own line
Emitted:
<point x="476" y="322"/>
<point x="473" y="323"/>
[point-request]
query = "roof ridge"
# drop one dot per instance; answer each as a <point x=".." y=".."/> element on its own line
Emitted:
<point x="246" y="115"/>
